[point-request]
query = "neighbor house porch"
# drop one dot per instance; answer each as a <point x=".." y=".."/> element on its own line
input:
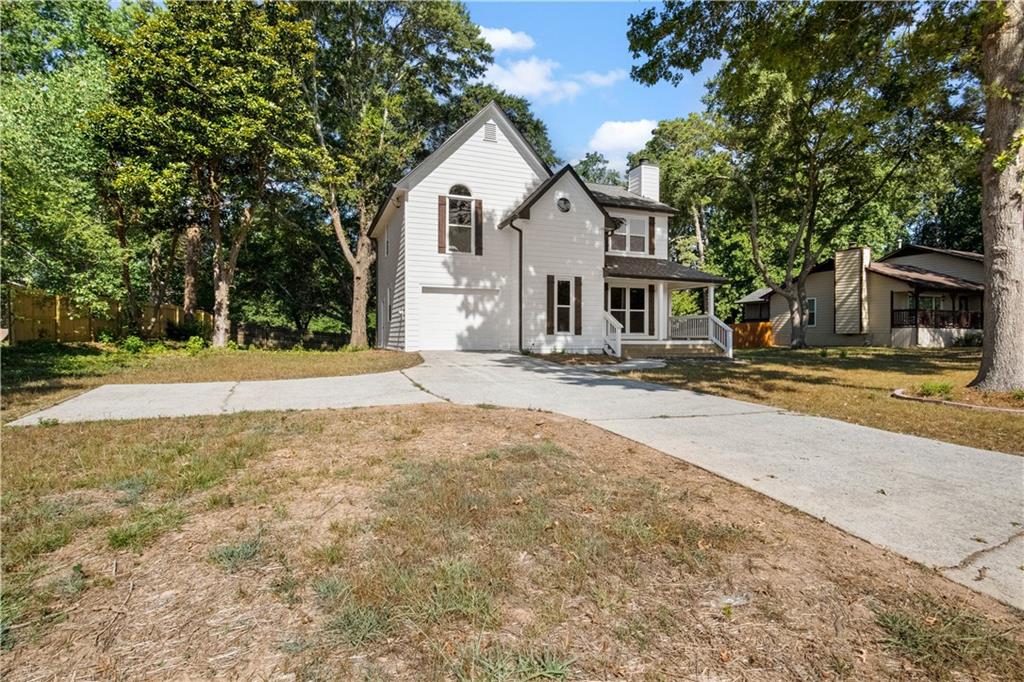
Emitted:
<point x="933" y="318"/>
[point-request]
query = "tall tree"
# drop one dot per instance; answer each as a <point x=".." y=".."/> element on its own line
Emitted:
<point x="825" y="117"/>
<point x="594" y="167"/>
<point x="54" y="224"/>
<point x="1002" y="174"/>
<point x="215" y="89"/>
<point x="383" y="70"/>
<point x="475" y="97"/>
<point x="694" y="167"/>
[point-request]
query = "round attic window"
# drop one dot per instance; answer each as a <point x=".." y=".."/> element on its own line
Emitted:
<point x="563" y="204"/>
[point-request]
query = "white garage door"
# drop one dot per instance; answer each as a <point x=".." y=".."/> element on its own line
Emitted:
<point x="463" y="319"/>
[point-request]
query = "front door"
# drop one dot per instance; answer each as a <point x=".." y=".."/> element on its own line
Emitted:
<point x="629" y="306"/>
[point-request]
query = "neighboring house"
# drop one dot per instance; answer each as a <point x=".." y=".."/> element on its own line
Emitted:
<point x="482" y="247"/>
<point x="914" y="296"/>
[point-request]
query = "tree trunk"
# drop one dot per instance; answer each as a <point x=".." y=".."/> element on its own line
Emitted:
<point x="1002" y="218"/>
<point x="160" y="266"/>
<point x="221" y="299"/>
<point x="695" y="209"/>
<point x="193" y="245"/>
<point x="361" y="291"/>
<point x="131" y="307"/>
<point x="797" y="321"/>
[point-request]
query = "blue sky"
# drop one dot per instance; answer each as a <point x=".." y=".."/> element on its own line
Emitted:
<point x="571" y="61"/>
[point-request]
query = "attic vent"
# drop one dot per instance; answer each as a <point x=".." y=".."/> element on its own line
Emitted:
<point x="490" y="132"/>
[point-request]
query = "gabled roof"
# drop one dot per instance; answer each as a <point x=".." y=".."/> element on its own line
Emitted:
<point x="656" y="268"/>
<point x="922" y="278"/>
<point x="455" y="140"/>
<point x="523" y="209"/>
<point x="916" y="249"/>
<point x="614" y="196"/>
<point x="757" y="296"/>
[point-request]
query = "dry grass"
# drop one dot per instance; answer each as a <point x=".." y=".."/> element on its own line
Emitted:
<point x="36" y="375"/>
<point x="578" y="359"/>
<point x="403" y="543"/>
<point x="854" y="385"/>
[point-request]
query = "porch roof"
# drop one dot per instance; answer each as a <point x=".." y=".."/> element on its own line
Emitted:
<point x="656" y="268"/>
<point x="920" y="277"/>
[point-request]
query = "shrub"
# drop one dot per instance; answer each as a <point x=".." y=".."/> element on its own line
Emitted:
<point x="1018" y="394"/>
<point x="133" y="344"/>
<point x="937" y="389"/>
<point x="195" y="345"/>
<point x="105" y="337"/>
<point x="231" y="345"/>
<point x="969" y="340"/>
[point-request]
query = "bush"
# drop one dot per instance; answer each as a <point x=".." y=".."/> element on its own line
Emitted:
<point x="105" y="337"/>
<point x="937" y="389"/>
<point x="195" y="345"/>
<point x="185" y="331"/>
<point x="1018" y="394"/>
<point x="969" y="340"/>
<point x="132" y="344"/>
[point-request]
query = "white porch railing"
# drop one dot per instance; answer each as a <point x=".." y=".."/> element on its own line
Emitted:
<point x="693" y="327"/>
<point x="612" y="335"/>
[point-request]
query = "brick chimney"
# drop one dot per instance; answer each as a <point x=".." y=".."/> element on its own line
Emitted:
<point x="645" y="180"/>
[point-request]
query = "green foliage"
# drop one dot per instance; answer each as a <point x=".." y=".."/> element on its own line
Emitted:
<point x="144" y="526"/>
<point x="132" y="344"/>
<point x="233" y="557"/>
<point x="195" y="345"/>
<point x="936" y="389"/>
<point x="594" y="168"/>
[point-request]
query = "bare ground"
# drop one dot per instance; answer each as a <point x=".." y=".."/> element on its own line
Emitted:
<point x="441" y="542"/>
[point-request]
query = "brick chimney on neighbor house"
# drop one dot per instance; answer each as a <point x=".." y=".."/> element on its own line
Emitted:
<point x="645" y="180"/>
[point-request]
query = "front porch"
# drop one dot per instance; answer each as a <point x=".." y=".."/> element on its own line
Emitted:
<point x="934" y="319"/>
<point x="639" y="321"/>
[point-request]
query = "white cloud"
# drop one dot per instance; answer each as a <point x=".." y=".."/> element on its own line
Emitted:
<point x="602" y="80"/>
<point x="532" y="77"/>
<point x="615" y="139"/>
<point x="506" y="39"/>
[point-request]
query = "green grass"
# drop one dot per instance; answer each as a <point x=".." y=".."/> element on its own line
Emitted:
<point x="501" y="664"/>
<point x="234" y="557"/>
<point x="144" y="526"/>
<point x="945" y="640"/>
<point x="936" y="389"/>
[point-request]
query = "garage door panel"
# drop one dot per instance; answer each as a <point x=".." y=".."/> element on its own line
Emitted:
<point x="453" y="318"/>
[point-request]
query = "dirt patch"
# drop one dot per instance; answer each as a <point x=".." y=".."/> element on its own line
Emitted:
<point x="439" y="542"/>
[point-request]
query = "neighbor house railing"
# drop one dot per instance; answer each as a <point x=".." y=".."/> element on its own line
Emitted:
<point x="612" y="335"/>
<point x="936" y="319"/>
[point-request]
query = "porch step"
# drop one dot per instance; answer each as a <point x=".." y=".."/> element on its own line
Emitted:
<point x="669" y="350"/>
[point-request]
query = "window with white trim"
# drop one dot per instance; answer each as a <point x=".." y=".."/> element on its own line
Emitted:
<point x="628" y="305"/>
<point x="812" y="312"/>
<point x="563" y="305"/>
<point x="630" y="237"/>
<point x="460" y="220"/>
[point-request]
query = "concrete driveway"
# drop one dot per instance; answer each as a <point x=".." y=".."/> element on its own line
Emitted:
<point x="954" y="508"/>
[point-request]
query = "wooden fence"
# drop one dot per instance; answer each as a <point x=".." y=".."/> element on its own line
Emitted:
<point x="752" y="335"/>
<point x="33" y="315"/>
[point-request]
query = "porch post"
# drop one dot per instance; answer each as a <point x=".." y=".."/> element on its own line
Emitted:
<point x="711" y="300"/>
<point x="664" y="310"/>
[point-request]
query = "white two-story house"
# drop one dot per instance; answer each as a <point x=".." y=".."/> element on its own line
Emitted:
<point x="482" y="247"/>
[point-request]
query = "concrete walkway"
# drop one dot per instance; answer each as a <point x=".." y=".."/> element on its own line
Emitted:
<point x="958" y="509"/>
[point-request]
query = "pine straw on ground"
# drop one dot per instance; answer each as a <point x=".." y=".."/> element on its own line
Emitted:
<point x="443" y="542"/>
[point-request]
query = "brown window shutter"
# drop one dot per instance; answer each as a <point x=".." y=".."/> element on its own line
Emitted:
<point x="442" y="228"/>
<point x="650" y="235"/>
<point x="607" y="303"/>
<point x="551" y="304"/>
<point x="578" y="286"/>
<point x="651" y="309"/>
<point x="478" y="229"/>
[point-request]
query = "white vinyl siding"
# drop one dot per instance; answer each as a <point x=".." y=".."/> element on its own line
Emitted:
<point x="499" y="176"/>
<point x="391" y="286"/>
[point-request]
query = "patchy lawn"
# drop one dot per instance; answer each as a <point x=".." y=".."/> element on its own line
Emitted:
<point x="854" y="384"/>
<point x="444" y="542"/>
<point x="39" y="374"/>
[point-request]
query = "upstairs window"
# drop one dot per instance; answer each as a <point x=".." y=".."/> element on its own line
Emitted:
<point x="460" y="220"/>
<point x="630" y="237"/>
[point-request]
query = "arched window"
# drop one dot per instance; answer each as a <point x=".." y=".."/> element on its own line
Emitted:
<point x="460" y="219"/>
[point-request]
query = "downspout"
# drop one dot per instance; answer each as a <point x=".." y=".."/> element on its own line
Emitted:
<point x="512" y="224"/>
